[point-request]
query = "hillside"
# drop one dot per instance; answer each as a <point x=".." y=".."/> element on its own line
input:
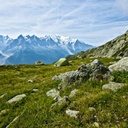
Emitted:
<point x="94" y="106"/>
<point x="117" y="47"/>
<point x="29" y="49"/>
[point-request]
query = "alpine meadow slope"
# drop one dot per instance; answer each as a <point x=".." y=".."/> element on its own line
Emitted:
<point x="28" y="49"/>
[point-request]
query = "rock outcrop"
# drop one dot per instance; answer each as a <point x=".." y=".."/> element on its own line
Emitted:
<point x="121" y="65"/>
<point x="94" y="70"/>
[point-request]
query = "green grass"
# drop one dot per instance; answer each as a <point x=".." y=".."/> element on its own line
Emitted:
<point x="35" y="110"/>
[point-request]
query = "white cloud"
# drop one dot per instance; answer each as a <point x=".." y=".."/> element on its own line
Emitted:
<point x="122" y="5"/>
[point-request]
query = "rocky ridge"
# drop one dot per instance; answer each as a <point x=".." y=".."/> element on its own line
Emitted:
<point x="117" y="48"/>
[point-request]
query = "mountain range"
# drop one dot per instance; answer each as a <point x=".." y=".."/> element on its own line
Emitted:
<point x="28" y="49"/>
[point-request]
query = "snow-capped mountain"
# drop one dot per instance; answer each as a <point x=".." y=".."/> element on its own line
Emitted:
<point x="28" y="49"/>
<point x="4" y="41"/>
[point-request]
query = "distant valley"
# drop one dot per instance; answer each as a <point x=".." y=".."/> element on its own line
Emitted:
<point x="28" y="49"/>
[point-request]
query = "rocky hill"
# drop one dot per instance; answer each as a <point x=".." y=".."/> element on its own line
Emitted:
<point x="117" y="47"/>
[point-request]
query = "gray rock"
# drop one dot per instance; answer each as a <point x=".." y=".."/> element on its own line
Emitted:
<point x="72" y="113"/>
<point x="16" y="98"/>
<point x="73" y="93"/>
<point x="54" y="93"/>
<point x="120" y="65"/>
<point x="92" y="109"/>
<point x="35" y="90"/>
<point x="61" y="62"/>
<point x="67" y="78"/>
<point x="61" y="101"/>
<point x="39" y="63"/>
<point x="113" y="86"/>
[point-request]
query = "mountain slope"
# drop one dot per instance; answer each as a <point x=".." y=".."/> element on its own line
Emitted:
<point x="28" y="49"/>
<point x="117" y="47"/>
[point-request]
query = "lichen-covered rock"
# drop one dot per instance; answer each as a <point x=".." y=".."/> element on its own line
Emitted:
<point x="113" y="86"/>
<point x="54" y="93"/>
<point x="120" y="65"/>
<point x="72" y="113"/>
<point x="16" y="98"/>
<point x="94" y="70"/>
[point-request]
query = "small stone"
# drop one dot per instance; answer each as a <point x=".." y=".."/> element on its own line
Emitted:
<point x="96" y="125"/>
<point x="61" y="100"/>
<point x="39" y="63"/>
<point x="73" y="93"/>
<point x="3" y="95"/>
<point x="72" y="113"/>
<point x="54" y="93"/>
<point x="92" y="109"/>
<point x="30" y="81"/>
<point x="16" y="98"/>
<point x="35" y="90"/>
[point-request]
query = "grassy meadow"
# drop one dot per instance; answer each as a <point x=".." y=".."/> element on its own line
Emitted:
<point x="34" y="111"/>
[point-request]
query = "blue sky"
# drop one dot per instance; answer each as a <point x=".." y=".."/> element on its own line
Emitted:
<point x="92" y="21"/>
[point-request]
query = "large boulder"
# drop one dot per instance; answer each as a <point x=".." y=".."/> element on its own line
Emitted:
<point x="94" y="70"/>
<point x="121" y="65"/>
<point x="62" y="62"/>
